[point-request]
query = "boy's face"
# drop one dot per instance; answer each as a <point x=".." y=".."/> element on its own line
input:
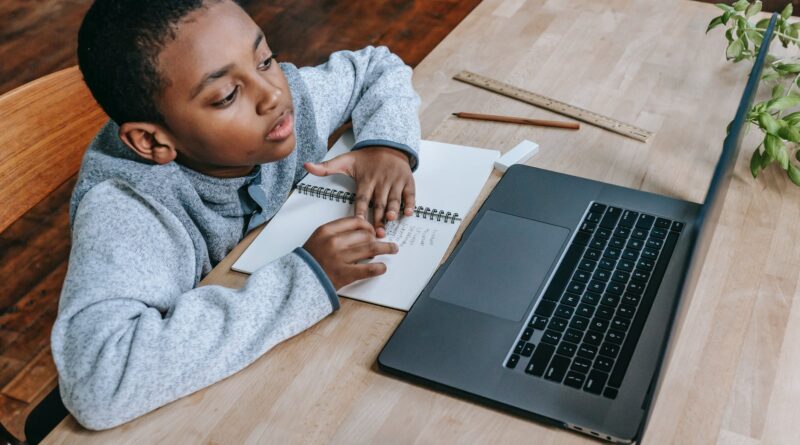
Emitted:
<point x="226" y="102"/>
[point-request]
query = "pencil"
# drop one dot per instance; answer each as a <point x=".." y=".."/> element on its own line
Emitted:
<point x="519" y="120"/>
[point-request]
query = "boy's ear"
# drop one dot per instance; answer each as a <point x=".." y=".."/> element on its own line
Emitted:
<point x="150" y="141"/>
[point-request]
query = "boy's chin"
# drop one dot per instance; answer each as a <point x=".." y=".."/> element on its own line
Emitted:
<point x="279" y="150"/>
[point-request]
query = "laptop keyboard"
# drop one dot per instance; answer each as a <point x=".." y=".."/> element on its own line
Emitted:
<point x="586" y="326"/>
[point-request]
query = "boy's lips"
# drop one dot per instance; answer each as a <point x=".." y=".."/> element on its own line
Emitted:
<point x="283" y="128"/>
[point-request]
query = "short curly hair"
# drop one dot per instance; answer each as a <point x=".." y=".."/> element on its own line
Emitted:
<point x="118" y="47"/>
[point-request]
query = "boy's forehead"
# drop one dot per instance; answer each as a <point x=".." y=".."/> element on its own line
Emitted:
<point x="207" y="40"/>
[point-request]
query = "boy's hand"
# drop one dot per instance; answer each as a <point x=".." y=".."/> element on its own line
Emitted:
<point x="339" y="245"/>
<point x="382" y="175"/>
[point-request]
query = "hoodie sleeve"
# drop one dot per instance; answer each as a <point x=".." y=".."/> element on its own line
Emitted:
<point x="133" y="333"/>
<point x="372" y="87"/>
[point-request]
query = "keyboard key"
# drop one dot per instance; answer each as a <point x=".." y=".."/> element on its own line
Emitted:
<point x="587" y="227"/>
<point x="622" y="232"/>
<point x="645" y="221"/>
<point x="615" y="336"/>
<point x="628" y="219"/>
<point x="603" y="364"/>
<point x="677" y="226"/>
<point x="576" y="287"/>
<point x="610" y="392"/>
<point x="615" y="287"/>
<point x="649" y="254"/>
<point x="581" y="238"/>
<point x="620" y="323"/>
<point x="635" y="287"/>
<point x="611" y="217"/>
<point x="541" y="356"/>
<point x="593" y="338"/>
<point x="631" y="299"/>
<point x="526" y="334"/>
<point x="621" y="276"/>
<point x="558" y="324"/>
<point x="592" y="254"/>
<point x="598" y="324"/>
<point x="570" y="299"/>
<point x="597" y="207"/>
<point x="655" y="243"/>
<point x="579" y="323"/>
<point x="607" y="264"/>
<point x="630" y="254"/>
<point x="574" y="379"/>
<point x="527" y="350"/>
<point x="612" y="253"/>
<point x="610" y="300"/>
<point x="587" y="265"/>
<point x="545" y="308"/>
<point x="658" y="233"/>
<point x="604" y="312"/>
<point x="558" y="367"/>
<point x="551" y="337"/>
<point x="626" y="311"/>
<point x="602" y="232"/>
<point x="581" y="364"/>
<point x="581" y="276"/>
<point x="635" y="244"/>
<point x="573" y="335"/>
<point x="538" y="323"/>
<point x="520" y="346"/>
<point x="617" y="243"/>
<point x="587" y="351"/>
<point x="512" y="361"/>
<point x="641" y="275"/>
<point x="591" y="298"/>
<point x="601" y="275"/>
<point x="597" y="286"/>
<point x="639" y="233"/>
<point x="593" y="217"/>
<point x="626" y="265"/>
<point x="585" y="310"/>
<point x="595" y="382"/>
<point x="609" y="349"/>
<point x="597" y="243"/>
<point x="567" y="349"/>
<point x="645" y="264"/>
<point x="564" y="311"/>
<point x="663" y="223"/>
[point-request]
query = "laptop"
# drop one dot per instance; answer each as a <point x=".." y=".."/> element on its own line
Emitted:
<point x="559" y="301"/>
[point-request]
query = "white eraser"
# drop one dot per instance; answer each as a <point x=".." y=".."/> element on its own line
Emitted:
<point x="517" y="155"/>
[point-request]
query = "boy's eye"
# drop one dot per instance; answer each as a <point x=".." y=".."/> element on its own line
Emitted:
<point x="267" y="63"/>
<point x="228" y="99"/>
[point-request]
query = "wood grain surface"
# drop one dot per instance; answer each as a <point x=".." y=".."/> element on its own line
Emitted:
<point x="733" y="376"/>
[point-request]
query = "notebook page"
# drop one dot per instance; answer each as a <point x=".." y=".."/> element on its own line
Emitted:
<point x="449" y="178"/>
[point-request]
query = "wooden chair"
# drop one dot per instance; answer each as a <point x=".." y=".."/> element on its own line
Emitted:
<point x="45" y="126"/>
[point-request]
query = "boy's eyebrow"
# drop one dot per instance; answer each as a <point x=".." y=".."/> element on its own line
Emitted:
<point x="214" y="75"/>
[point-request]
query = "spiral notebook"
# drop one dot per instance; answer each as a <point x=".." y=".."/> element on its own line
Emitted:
<point x="448" y="181"/>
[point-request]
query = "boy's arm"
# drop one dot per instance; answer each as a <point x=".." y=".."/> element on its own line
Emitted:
<point x="373" y="87"/>
<point x="132" y="334"/>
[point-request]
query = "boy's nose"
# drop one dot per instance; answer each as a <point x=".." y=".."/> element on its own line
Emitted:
<point x="269" y="98"/>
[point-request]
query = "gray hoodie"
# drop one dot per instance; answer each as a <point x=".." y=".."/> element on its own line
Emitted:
<point x="134" y="332"/>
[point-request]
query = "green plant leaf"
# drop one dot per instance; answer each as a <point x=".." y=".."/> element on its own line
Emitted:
<point x="768" y="123"/>
<point x="794" y="174"/>
<point x="755" y="37"/>
<point x="753" y="9"/>
<point x="793" y="118"/>
<point x="716" y="21"/>
<point x="777" y="91"/>
<point x="789" y="133"/>
<point x="741" y="5"/>
<point x="788" y="68"/>
<point x="787" y="11"/>
<point x="783" y="103"/>
<point x="726" y="16"/>
<point x="762" y="24"/>
<point x="797" y="155"/>
<point x="755" y="163"/>
<point x="772" y="145"/>
<point x="783" y="158"/>
<point x="734" y="49"/>
<point x="724" y="7"/>
<point x="770" y="77"/>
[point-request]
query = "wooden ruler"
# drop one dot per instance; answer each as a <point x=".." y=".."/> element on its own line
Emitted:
<point x="574" y="112"/>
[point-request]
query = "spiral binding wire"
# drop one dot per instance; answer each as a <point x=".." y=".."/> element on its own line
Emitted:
<point x="348" y="197"/>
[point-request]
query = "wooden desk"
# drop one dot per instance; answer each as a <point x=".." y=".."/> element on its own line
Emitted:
<point x="735" y="375"/>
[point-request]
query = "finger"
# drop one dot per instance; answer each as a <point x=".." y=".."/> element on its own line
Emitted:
<point x="361" y="271"/>
<point x="350" y="239"/>
<point x="347" y="224"/>
<point x="379" y="195"/>
<point x="393" y="202"/>
<point x="340" y="164"/>
<point x="409" y="197"/>
<point x="363" y="195"/>
<point x="369" y="250"/>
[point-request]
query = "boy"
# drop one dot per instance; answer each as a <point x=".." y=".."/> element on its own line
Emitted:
<point x="207" y="136"/>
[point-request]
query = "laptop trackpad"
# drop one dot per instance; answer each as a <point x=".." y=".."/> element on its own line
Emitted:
<point x="501" y="266"/>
